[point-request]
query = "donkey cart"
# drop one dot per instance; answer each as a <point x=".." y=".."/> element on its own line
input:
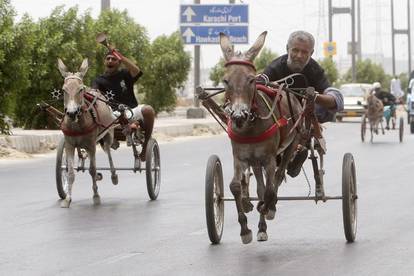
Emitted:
<point x="374" y="126"/>
<point x="214" y="191"/>
<point x="152" y="166"/>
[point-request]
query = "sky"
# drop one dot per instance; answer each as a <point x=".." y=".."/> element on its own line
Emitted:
<point x="278" y="17"/>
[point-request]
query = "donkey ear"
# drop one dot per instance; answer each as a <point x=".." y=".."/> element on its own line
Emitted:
<point x="226" y="47"/>
<point x="83" y="68"/>
<point x="257" y="46"/>
<point x="62" y="68"/>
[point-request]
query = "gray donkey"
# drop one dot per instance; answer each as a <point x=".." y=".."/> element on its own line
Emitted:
<point x="85" y="117"/>
<point x="258" y="134"/>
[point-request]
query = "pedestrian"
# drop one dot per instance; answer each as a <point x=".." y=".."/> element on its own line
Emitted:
<point x="395" y="88"/>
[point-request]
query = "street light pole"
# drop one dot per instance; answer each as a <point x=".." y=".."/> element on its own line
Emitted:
<point x="403" y="32"/>
<point x="105" y="5"/>
<point x="351" y="11"/>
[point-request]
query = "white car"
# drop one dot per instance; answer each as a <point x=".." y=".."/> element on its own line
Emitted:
<point x="355" y="99"/>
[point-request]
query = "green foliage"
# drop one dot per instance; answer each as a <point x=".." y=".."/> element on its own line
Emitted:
<point x="368" y="72"/>
<point x="8" y="77"/>
<point x="217" y="72"/>
<point x="168" y="70"/>
<point x="29" y="52"/>
<point x="65" y="35"/>
<point x="264" y="59"/>
<point x="261" y="62"/>
<point x="331" y="70"/>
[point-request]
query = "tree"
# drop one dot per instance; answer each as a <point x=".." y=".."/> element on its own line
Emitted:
<point x="264" y="59"/>
<point x="331" y="71"/>
<point x="64" y="35"/>
<point x="217" y="72"/>
<point x="8" y="78"/>
<point x="368" y="72"/>
<point x="168" y="67"/>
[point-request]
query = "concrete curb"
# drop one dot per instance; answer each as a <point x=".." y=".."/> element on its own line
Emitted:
<point x="37" y="141"/>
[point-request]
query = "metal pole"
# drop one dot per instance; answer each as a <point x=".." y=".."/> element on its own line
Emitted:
<point x="359" y="31"/>
<point x="330" y="19"/>
<point x="353" y="41"/>
<point x="409" y="37"/>
<point x="196" y="68"/>
<point x="105" y="5"/>
<point x="392" y="37"/>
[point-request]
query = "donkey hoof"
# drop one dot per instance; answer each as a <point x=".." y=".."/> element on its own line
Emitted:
<point x="271" y="214"/>
<point x="262" y="236"/>
<point x="247" y="205"/>
<point x="114" y="178"/>
<point x="96" y="200"/>
<point x="98" y="176"/>
<point x="247" y="238"/>
<point x="65" y="203"/>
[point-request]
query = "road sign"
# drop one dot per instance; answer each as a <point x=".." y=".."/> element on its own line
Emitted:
<point x="329" y="48"/>
<point x="214" y="14"/>
<point x="210" y="34"/>
<point x="202" y="24"/>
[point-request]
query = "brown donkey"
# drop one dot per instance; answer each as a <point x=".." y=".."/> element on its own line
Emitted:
<point x="259" y="133"/>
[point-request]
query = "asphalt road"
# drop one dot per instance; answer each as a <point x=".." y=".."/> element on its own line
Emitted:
<point x="130" y="235"/>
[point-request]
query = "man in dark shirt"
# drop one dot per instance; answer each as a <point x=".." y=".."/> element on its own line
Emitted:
<point x="120" y="84"/>
<point x="387" y="99"/>
<point x="329" y="100"/>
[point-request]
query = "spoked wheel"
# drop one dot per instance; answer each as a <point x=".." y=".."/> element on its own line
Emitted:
<point x="61" y="170"/>
<point x="349" y="197"/>
<point x="153" y="169"/>
<point x="214" y="199"/>
<point x="363" y="127"/>
<point x="401" y="129"/>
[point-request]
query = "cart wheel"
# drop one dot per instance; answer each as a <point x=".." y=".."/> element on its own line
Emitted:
<point x="363" y="127"/>
<point x="61" y="170"/>
<point x="349" y="197"/>
<point x="401" y="129"/>
<point x="153" y="169"/>
<point x="214" y="203"/>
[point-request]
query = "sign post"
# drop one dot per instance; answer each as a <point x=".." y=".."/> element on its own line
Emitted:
<point x="202" y="25"/>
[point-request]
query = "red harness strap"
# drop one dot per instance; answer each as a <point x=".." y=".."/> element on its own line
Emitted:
<point x="255" y="139"/>
<point x="72" y="133"/>
<point x="272" y="93"/>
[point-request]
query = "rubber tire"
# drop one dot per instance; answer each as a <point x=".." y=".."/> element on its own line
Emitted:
<point x="60" y="158"/>
<point x="363" y="127"/>
<point x="349" y="197"/>
<point x="215" y="222"/>
<point x="401" y="129"/>
<point x="153" y="164"/>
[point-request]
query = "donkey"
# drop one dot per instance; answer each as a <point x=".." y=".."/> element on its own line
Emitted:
<point x="84" y="119"/>
<point x="256" y="139"/>
<point x="375" y="114"/>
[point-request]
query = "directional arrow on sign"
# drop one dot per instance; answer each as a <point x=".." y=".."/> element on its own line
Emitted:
<point x="188" y="34"/>
<point x="189" y="13"/>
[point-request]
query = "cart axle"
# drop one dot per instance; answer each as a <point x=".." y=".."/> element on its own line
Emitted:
<point x="290" y="198"/>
